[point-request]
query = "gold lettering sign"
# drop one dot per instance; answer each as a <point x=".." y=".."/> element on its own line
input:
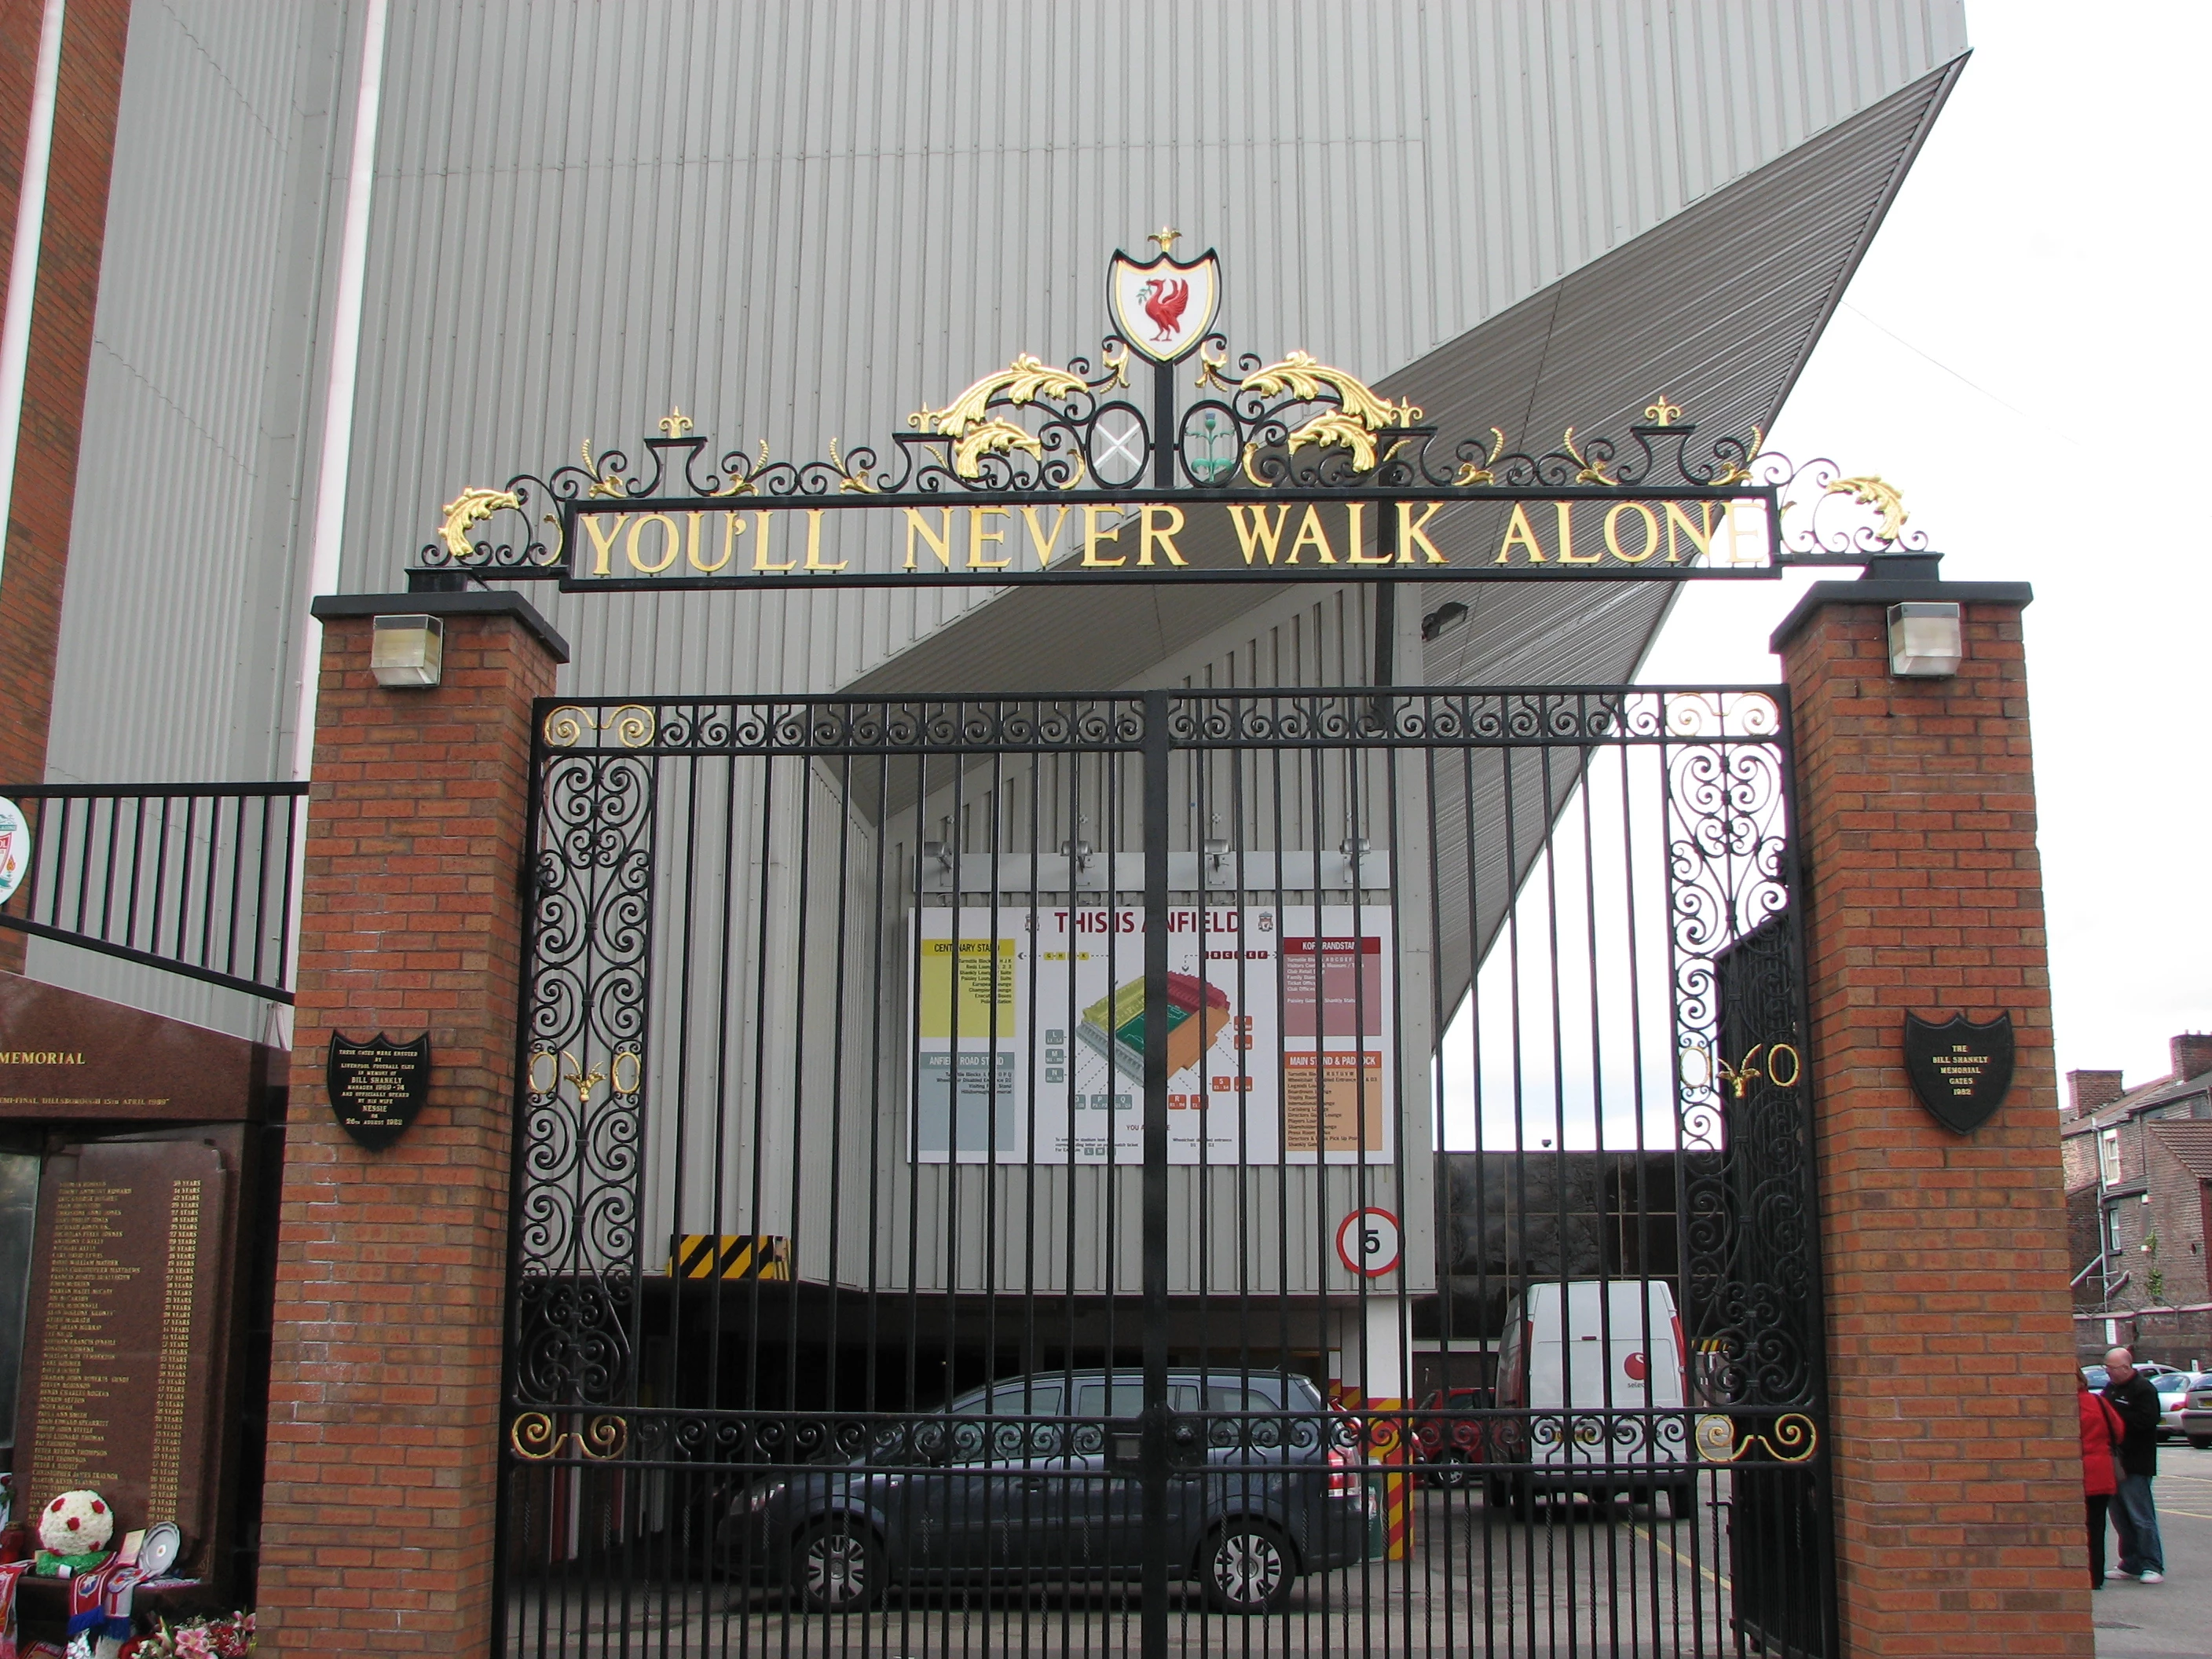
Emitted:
<point x="984" y="542"/>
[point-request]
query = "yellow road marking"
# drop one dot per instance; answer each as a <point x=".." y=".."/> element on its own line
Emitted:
<point x="2163" y="1509"/>
<point x="1641" y="1533"/>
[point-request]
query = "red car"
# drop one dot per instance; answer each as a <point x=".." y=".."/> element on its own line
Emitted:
<point x="1445" y="1441"/>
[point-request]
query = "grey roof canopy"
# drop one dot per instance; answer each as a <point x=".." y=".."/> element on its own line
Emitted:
<point x="1718" y="307"/>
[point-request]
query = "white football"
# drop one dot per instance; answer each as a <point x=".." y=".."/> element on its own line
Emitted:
<point x="75" y="1522"/>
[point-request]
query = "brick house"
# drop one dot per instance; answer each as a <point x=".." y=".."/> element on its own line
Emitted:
<point x="2138" y="1166"/>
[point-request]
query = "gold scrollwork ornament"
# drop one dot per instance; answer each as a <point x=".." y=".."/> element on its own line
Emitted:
<point x="633" y="726"/>
<point x="976" y="432"/>
<point x="1352" y="424"/>
<point x="534" y="1438"/>
<point x="472" y="506"/>
<point x="1791" y="1438"/>
<point x="1884" y="497"/>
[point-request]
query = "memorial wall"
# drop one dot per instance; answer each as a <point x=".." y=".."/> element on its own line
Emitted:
<point x="132" y="1153"/>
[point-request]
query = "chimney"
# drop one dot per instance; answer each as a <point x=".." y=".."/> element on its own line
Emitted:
<point x="2192" y="1055"/>
<point x="2091" y="1091"/>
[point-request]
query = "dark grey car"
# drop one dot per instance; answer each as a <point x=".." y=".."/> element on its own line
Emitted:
<point x="1035" y="1479"/>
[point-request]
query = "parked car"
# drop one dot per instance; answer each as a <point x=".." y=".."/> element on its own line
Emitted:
<point x="2190" y="1393"/>
<point x="1597" y="1365"/>
<point x="1036" y="1478"/>
<point x="1445" y="1440"/>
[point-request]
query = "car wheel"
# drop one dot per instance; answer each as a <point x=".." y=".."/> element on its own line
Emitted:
<point x="2202" y="1442"/>
<point x="839" y="1566"/>
<point x="1246" y="1567"/>
<point x="1449" y="1471"/>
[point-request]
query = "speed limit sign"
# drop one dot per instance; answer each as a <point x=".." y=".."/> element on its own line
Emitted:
<point x="1369" y="1242"/>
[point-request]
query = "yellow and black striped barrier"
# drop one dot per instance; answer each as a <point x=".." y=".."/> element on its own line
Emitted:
<point x="730" y="1255"/>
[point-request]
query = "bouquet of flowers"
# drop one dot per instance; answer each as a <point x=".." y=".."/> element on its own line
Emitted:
<point x="195" y="1639"/>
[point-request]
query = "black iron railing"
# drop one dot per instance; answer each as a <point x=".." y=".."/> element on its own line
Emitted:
<point x="195" y="879"/>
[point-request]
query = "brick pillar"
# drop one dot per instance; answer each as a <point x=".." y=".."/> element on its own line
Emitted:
<point x="88" y="90"/>
<point x="384" y="1374"/>
<point x="1959" y="1528"/>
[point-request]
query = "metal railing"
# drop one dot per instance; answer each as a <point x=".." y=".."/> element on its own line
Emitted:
<point x="193" y="879"/>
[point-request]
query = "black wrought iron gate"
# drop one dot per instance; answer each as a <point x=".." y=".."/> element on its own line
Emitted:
<point x="1287" y="1171"/>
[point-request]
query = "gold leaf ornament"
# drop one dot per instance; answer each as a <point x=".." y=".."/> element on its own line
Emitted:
<point x="974" y="431"/>
<point x="472" y="506"/>
<point x="1593" y="472"/>
<point x="603" y="483"/>
<point x="1737" y="473"/>
<point x="1359" y="415"/>
<point x="1479" y="472"/>
<point x="1867" y="490"/>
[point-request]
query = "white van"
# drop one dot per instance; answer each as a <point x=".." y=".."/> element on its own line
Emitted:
<point x="1572" y="1355"/>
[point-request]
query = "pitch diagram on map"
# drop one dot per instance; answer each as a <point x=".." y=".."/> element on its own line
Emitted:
<point x="1030" y="1041"/>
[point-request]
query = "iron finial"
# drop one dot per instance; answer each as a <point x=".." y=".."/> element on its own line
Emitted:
<point x="675" y="423"/>
<point x="1663" y="413"/>
<point x="1166" y="236"/>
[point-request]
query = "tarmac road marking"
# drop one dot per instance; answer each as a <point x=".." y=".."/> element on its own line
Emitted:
<point x="1641" y="1533"/>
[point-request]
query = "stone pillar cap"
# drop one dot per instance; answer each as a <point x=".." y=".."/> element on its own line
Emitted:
<point x="1895" y="591"/>
<point x="329" y="607"/>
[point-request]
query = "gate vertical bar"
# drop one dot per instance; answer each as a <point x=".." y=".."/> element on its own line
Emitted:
<point x="1153" y="1471"/>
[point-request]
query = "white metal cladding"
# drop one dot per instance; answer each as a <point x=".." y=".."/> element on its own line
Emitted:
<point x="180" y="617"/>
<point x="802" y="222"/>
<point x="178" y="621"/>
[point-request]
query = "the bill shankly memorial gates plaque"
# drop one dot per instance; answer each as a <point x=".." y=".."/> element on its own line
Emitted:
<point x="983" y="1167"/>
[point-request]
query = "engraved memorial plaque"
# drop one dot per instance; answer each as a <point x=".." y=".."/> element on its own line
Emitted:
<point x="377" y="1087"/>
<point x="124" y="1348"/>
<point x="1961" y="1070"/>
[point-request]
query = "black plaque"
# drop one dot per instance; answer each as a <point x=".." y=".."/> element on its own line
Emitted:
<point x="1959" y="1070"/>
<point x="377" y="1087"/>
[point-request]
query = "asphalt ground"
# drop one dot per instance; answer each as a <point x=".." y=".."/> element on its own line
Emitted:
<point x="2175" y="1617"/>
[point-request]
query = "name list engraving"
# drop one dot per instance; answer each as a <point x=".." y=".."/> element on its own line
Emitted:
<point x="80" y="1375"/>
<point x="123" y="1341"/>
<point x="173" y="1369"/>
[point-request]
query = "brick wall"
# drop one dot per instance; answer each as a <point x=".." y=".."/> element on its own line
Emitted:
<point x="2077" y="1156"/>
<point x="2191" y="1055"/>
<point x="38" y="528"/>
<point x="2085" y="1213"/>
<point x="384" y="1386"/>
<point x="2175" y="1218"/>
<point x="1959" y="1531"/>
<point x="2089" y="1092"/>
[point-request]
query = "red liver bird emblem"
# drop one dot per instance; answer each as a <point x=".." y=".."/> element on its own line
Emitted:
<point x="1164" y="307"/>
<point x="1163" y="303"/>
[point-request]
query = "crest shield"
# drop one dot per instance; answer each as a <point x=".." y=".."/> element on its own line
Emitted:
<point x="1163" y="308"/>
<point x="1961" y="1070"/>
<point x="377" y="1087"/>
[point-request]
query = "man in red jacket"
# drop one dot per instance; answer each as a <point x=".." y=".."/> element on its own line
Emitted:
<point x="2142" y="1556"/>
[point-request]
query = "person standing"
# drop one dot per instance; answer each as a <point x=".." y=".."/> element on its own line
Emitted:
<point x="2101" y="1434"/>
<point x="2142" y="1556"/>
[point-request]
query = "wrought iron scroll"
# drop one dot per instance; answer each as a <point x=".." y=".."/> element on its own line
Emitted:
<point x="580" y="1158"/>
<point x="1749" y="1262"/>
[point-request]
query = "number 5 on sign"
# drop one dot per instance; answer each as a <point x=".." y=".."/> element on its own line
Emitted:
<point x="1369" y="1242"/>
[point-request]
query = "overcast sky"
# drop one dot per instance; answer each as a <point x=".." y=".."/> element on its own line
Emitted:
<point x="2023" y="354"/>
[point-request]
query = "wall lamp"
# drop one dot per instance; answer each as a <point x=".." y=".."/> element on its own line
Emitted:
<point x="1926" y="641"/>
<point x="1441" y="620"/>
<point x="409" y="651"/>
